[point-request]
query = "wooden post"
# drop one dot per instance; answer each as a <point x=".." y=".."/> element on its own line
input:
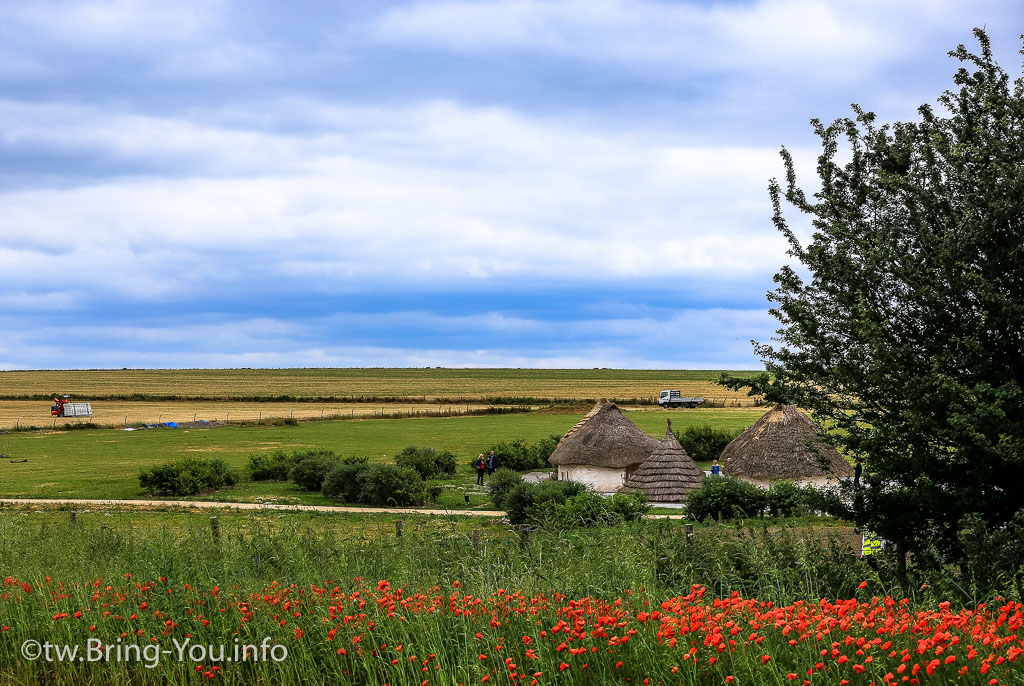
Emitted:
<point x="227" y="418"/>
<point x="215" y="528"/>
<point x="689" y="534"/>
<point x="476" y="538"/>
<point x="398" y="528"/>
<point x="524" y="536"/>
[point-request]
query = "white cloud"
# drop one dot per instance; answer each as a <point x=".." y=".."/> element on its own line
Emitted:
<point x="429" y="194"/>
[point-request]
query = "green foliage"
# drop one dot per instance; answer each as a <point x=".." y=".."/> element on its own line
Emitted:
<point x="786" y="499"/>
<point x="501" y="484"/>
<point x="342" y="482"/>
<point x="704" y="442"/>
<point x="388" y="484"/>
<point x="588" y="509"/>
<point x="527" y="502"/>
<point x="310" y="468"/>
<point x="520" y="456"/>
<point x="190" y="476"/>
<point x="905" y="335"/>
<point x="430" y="463"/>
<point x="273" y="466"/>
<point x="722" y="497"/>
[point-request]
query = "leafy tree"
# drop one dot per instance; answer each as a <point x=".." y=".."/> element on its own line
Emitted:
<point x="904" y="325"/>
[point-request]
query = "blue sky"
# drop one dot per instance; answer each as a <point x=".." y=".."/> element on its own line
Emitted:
<point x="525" y="183"/>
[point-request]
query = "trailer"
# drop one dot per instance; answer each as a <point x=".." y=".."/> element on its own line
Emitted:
<point x="63" y="407"/>
<point x="670" y="398"/>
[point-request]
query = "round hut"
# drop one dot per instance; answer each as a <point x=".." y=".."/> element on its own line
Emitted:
<point x="602" y="449"/>
<point x="783" y="444"/>
<point x="667" y="475"/>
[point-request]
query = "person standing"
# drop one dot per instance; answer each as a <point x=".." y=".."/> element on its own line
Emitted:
<point x="716" y="470"/>
<point x="492" y="463"/>
<point x="481" y="467"/>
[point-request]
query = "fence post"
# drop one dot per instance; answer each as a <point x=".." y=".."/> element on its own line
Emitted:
<point x="524" y="536"/>
<point x="215" y="528"/>
<point x="194" y="415"/>
<point x="261" y="416"/>
<point x="689" y="534"/>
<point x="126" y="420"/>
<point x="398" y="528"/>
<point x="227" y="418"/>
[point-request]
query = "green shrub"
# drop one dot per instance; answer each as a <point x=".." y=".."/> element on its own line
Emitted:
<point x="786" y="499"/>
<point x="722" y="497"/>
<point x="704" y="442"/>
<point x="527" y="502"/>
<point x="310" y="468"/>
<point x="501" y="484"/>
<point x="190" y="476"/>
<point x="388" y="484"/>
<point x="519" y="456"/>
<point x="430" y="463"/>
<point x="270" y="466"/>
<point x="342" y="482"/>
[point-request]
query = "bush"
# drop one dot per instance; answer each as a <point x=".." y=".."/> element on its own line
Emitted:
<point x="190" y="476"/>
<point x="429" y="462"/>
<point x="519" y="456"/>
<point x="705" y="443"/>
<point x="310" y="468"/>
<point x="388" y="484"/>
<point x="501" y="484"/>
<point x="589" y="509"/>
<point x="786" y="499"/>
<point x="342" y="482"/>
<point x="270" y="466"/>
<point x="526" y="502"/>
<point x="722" y="497"/>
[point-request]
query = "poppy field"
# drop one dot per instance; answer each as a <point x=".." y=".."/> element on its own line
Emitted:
<point x="637" y="604"/>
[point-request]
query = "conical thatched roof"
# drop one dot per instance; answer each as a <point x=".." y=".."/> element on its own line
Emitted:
<point x="668" y="475"/>
<point x="782" y="444"/>
<point x="604" y="438"/>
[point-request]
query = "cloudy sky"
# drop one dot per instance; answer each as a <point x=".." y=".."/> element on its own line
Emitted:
<point x="552" y="183"/>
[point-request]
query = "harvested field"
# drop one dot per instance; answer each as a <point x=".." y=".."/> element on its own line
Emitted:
<point x="353" y="384"/>
<point x="27" y="413"/>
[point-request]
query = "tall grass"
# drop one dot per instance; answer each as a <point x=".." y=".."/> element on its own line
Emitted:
<point x="343" y="600"/>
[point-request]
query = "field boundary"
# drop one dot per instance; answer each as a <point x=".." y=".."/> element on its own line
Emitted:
<point x="214" y="505"/>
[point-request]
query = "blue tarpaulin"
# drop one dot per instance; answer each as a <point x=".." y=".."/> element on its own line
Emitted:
<point x="170" y="425"/>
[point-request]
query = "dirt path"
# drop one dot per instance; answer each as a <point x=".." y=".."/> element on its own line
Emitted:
<point x="210" y="505"/>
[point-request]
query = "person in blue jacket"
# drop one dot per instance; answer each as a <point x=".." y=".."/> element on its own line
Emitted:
<point x="716" y="470"/>
<point x="492" y="463"/>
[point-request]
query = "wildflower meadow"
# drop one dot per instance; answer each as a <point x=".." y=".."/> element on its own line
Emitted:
<point x="288" y="601"/>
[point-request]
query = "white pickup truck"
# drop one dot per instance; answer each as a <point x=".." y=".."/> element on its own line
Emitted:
<point x="670" y="398"/>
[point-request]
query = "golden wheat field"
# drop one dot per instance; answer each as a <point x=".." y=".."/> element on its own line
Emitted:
<point x="28" y="413"/>
<point x="423" y="384"/>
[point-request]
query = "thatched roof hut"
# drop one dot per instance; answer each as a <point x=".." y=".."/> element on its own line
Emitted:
<point x="783" y="444"/>
<point x="668" y="474"/>
<point x="604" y="438"/>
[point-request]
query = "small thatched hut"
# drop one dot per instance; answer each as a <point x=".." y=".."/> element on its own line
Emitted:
<point x="602" y="449"/>
<point x="667" y="475"/>
<point x="783" y="444"/>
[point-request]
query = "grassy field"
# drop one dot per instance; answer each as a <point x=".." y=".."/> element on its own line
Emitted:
<point x="354" y="383"/>
<point x="105" y="463"/>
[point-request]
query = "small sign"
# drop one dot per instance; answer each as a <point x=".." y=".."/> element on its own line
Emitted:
<point x="871" y="544"/>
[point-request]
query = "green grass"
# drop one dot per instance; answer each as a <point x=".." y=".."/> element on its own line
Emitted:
<point x="105" y="463"/>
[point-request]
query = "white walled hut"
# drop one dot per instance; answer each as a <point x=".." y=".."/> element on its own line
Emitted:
<point x="783" y="444"/>
<point x="602" y="449"/>
<point x="668" y="475"/>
